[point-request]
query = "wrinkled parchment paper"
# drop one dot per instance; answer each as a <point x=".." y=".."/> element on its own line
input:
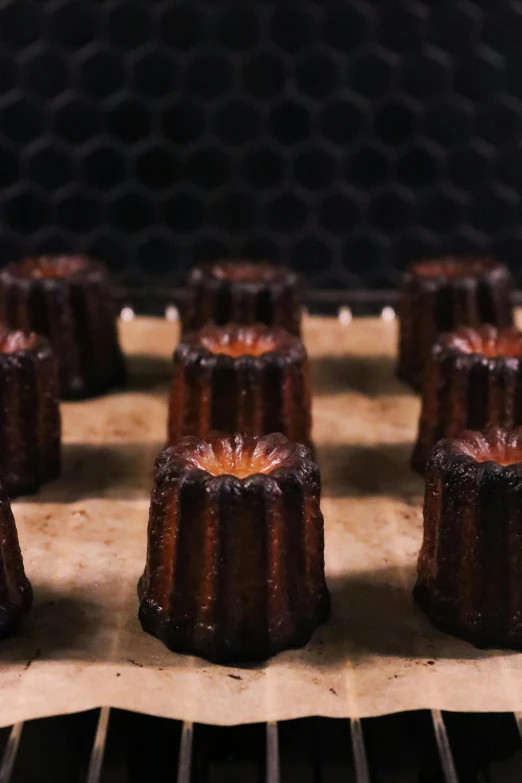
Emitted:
<point x="83" y="539"/>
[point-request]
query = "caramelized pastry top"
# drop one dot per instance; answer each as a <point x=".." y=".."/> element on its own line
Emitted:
<point x="236" y="340"/>
<point x="13" y="341"/>
<point x="494" y="444"/>
<point x="247" y="272"/>
<point x="240" y="456"/>
<point x="486" y="341"/>
<point x="54" y="267"/>
<point x="457" y="267"/>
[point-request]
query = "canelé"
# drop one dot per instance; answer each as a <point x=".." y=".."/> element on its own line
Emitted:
<point x="16" y="594"/>
<point x="470" y="564"/>
<point x="71" y="301"/>
<point x="440" y="296"/>
<point x="242" y="292"/>
<point x="250" y="379"/>
<point x="29" y="412"/>
<point x="473" y="380"/>
<point x="235" y="556"/>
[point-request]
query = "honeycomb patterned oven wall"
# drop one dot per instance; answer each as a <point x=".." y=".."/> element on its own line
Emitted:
<point x="343" y="136"/>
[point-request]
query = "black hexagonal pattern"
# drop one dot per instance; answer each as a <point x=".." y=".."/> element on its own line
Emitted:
<point x="344" y="137"/>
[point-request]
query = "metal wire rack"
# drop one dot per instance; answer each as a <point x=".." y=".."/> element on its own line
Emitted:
<point x="273" y="765"/>
<point x="427" y="746"/>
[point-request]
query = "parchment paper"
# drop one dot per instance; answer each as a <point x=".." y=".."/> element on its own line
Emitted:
<point x="83" y="539"/>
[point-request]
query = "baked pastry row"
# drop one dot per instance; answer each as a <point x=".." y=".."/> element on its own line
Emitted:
<point x="235" y="560"/>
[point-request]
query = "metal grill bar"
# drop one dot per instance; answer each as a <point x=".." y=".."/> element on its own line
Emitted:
<point x="12" y="765"/>
<point x="272" y="753"/>
<point x="10" y="753"/>
<point x="98" y="748"/>
<point x="337" y="297"/>
<point x="185" y="753"/>
<point x="360" y="759"/>
<point x="444" y="747"/>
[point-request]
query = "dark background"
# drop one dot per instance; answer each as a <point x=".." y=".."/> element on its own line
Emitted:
<point x="346" y="138"/>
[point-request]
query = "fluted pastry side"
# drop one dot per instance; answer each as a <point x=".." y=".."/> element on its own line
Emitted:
<point x="441" y="296"/>
<point x="470" y="564"/>
<point x="71" y="301"/>
<point x="30" y="429"/>
<point x="235" y="557"/>
<point x="16" y="594"/>
<point x="250" y="379"/>
<point x="473" y="380"/>
<point x="242" y="292"/>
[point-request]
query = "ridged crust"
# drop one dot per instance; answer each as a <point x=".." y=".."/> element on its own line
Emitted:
<point x="256" y="395"/>
<point x="30" y="428"/>
<point x="467" y="386"/>
<point x="470" y="564"/>
<point x="69" y="300"/>
<point x="436" y="297"/>
<point x="235" y="567"/>
<point x="16" y="594"/>
<point x="242" y="292"/>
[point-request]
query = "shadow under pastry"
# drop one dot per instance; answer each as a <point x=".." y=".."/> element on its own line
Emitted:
<point x="121" y="471"/>
<point x="373" y="376"/>
<point x="374" y="613"/>
<point x="355" y="470"/>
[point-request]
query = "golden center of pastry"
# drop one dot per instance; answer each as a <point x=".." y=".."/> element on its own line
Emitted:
<point x="453" y="268"/>
<point x="492" y="445"/>
<point x="247" y="345"/>
<point x="17" y="341"/>
<point x="502" y="455"/>
<point x="244" y="271"/>
<point x="51" y="266"/>
<point x="238" y="464"/>
<point x="492" y="347"/>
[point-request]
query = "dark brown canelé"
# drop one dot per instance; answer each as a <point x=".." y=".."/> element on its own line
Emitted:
<point x="242" y="292"/>
<point x="440" y="296"/>
<point x="473" y="380"/>
<point x="70" y="300"/>
<point x="251" y="379"/>
<point x="235" y="556"/>
<point x="16" y="595"/>
<point x="470" y="564"/>
<point x="29" y="412"/>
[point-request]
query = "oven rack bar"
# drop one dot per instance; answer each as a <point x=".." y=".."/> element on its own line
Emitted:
<point x="155" y="298"/>
<point x="184" y="772"/>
